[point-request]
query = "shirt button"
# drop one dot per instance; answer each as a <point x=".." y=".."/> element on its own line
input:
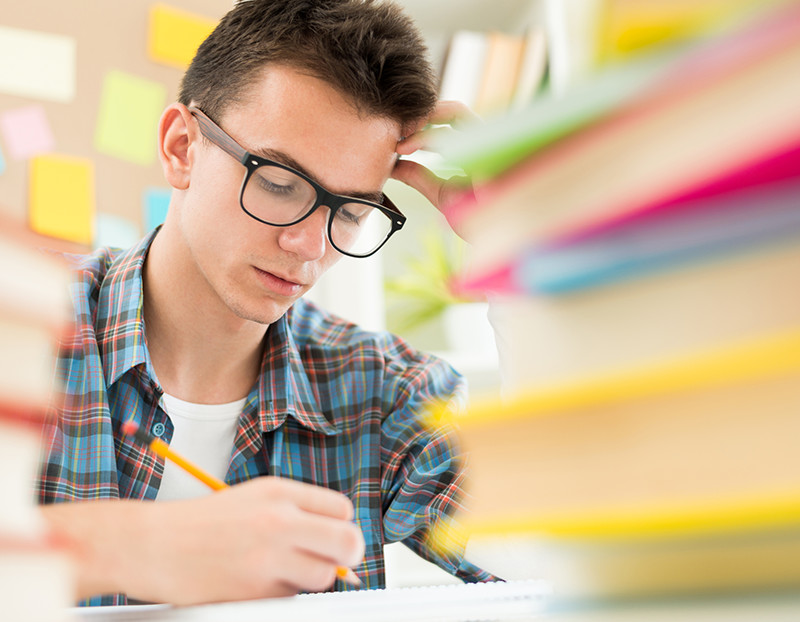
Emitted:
<point x="159" y="429"/>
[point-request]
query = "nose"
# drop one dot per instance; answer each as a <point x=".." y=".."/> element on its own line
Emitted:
<point x="308" y="239"/>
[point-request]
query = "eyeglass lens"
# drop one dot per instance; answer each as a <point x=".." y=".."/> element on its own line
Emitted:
<point x="279" y="197"/>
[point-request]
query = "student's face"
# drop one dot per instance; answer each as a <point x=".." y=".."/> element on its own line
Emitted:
<point x="255" y="269"/>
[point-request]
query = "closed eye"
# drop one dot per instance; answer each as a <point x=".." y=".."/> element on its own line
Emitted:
<point x="348" y="217"/>
<point x="273" y="188"/>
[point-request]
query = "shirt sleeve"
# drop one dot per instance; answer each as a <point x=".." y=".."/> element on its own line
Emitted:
<point x="422" y="468"/>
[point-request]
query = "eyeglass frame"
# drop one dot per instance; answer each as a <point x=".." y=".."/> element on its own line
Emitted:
<point x="213" y="132"/>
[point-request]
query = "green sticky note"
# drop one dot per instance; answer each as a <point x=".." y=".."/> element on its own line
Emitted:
<point x="127" y="124"/>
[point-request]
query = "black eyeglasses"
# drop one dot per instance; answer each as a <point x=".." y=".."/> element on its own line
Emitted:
<point x="278" y="195"/>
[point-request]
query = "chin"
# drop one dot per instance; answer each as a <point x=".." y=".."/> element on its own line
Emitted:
<point x="266" y="312"/>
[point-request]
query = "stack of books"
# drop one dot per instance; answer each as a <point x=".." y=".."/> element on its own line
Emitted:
<point x="642" y="240"/>
<point x="36" y="582"/>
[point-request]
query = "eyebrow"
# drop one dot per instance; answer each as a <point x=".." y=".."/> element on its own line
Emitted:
<point x="284" y="158"/>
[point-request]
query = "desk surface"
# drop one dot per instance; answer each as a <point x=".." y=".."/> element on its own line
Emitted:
<point x="512" y="601"/>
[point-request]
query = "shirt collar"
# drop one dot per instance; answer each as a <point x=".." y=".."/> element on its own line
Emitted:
<point x="119" y="323"/>
<point x="283" y="387"/>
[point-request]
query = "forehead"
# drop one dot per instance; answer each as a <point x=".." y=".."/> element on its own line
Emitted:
<point x="314" y="125"/>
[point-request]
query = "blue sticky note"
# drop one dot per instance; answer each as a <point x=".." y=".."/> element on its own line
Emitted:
<point x="155" y="204"/>
<point x="115" y="231"/>
<point x="2" y="162"/>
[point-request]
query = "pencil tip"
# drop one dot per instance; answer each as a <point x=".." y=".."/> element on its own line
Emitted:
<point x="348" y="576"/>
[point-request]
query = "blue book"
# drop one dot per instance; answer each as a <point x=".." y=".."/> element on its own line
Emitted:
<point x="718" y="225"/>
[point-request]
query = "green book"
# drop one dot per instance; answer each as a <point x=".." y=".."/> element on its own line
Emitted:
<point x="486" y="150"/>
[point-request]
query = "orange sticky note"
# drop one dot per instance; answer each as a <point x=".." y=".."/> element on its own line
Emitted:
<point x="175" y="35"/>
<point x="62" y="202"/>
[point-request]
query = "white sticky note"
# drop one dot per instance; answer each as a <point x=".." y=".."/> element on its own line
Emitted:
<point x="37" y="64"/>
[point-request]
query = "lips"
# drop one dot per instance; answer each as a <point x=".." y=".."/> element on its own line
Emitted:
<point x="278" y="284"/>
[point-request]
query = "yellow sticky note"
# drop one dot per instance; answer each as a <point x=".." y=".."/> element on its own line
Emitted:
<point x="62" y="197"/>
<point x="175" y="35"/>
<point x="127" y="124"/>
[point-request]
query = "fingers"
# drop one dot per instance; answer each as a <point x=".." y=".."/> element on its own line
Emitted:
<point x="307" y="573"/>
<point x="418" y="177"/>
<point x="422" y="139"/>
<point x="453" y="113"/>
<point x="314" y="499"/>
<point x="312" y="560"/>
<point x="446" y="113"/>
<point x="439" y="192"/>
<point x="336" y="541"/>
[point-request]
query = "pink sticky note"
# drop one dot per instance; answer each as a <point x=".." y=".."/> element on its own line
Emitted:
<point x="26" y="131"/>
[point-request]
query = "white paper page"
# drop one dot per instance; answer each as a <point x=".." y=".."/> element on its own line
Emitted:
<point x="446" y="603"/>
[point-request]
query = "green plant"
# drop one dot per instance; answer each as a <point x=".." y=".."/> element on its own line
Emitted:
<point x="423" y="291"/>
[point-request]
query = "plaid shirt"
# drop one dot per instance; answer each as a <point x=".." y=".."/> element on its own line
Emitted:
<point x="334" y="406"/>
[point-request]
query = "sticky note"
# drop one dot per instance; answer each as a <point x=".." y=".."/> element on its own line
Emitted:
<point x="2" y="163"/>
<point x="115" y="231"/>
<point x="127" y="123"/>
<point x="155" y="203"/>
<point x="62" y="197"/>
<point x="37" y="65"/>
<point x="174" y="35"/>
<point x="26" y="131"/>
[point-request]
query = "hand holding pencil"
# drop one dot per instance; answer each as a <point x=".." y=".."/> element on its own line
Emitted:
<point x="161" y="448"/>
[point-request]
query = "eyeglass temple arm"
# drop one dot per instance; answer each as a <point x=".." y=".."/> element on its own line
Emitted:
<point x="216" y="135"/>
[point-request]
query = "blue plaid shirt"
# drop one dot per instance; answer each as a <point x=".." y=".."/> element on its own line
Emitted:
<point x="334" y="406"/>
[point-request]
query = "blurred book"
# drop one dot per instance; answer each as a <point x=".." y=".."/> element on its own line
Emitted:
<point x="553" y="339"/>
<point x="750" y="205"/>
<point x="616" y="89"/>
<point x="755" y="562"/>
<point x="36" y="580"/>
<point x="682" y="140"/>
<point x="640" y="482"/>
<point x="640" y="247"/>
<point x="629" y="27"/>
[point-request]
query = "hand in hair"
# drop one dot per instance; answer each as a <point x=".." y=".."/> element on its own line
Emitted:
<point x="442" y="193"/>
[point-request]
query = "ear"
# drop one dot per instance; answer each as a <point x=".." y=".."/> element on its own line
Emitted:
<point x="177" y="137"/>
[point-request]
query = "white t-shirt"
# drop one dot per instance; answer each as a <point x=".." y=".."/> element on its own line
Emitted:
<point x="204" y="435"/>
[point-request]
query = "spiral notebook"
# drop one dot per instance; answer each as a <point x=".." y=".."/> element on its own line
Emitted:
<point x="446" y="603"/>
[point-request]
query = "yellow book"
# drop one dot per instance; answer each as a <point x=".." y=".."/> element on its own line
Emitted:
<point x="678" y="477"/>
<point x="632" y="26"/>
<point x="655" y="447"/>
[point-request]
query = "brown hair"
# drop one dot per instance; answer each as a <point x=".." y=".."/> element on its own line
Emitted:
<point x="369" y="51"/>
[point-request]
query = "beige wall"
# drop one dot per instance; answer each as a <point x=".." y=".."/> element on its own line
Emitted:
<point x="110" y="34"/>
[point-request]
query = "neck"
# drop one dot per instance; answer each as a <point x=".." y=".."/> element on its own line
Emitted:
<point x="200" y="350"/>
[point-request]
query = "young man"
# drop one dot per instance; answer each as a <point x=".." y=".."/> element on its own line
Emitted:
<point x="290" y="120"/>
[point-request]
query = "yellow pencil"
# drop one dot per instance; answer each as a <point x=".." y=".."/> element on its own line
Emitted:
<point x="131" y="428"/>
